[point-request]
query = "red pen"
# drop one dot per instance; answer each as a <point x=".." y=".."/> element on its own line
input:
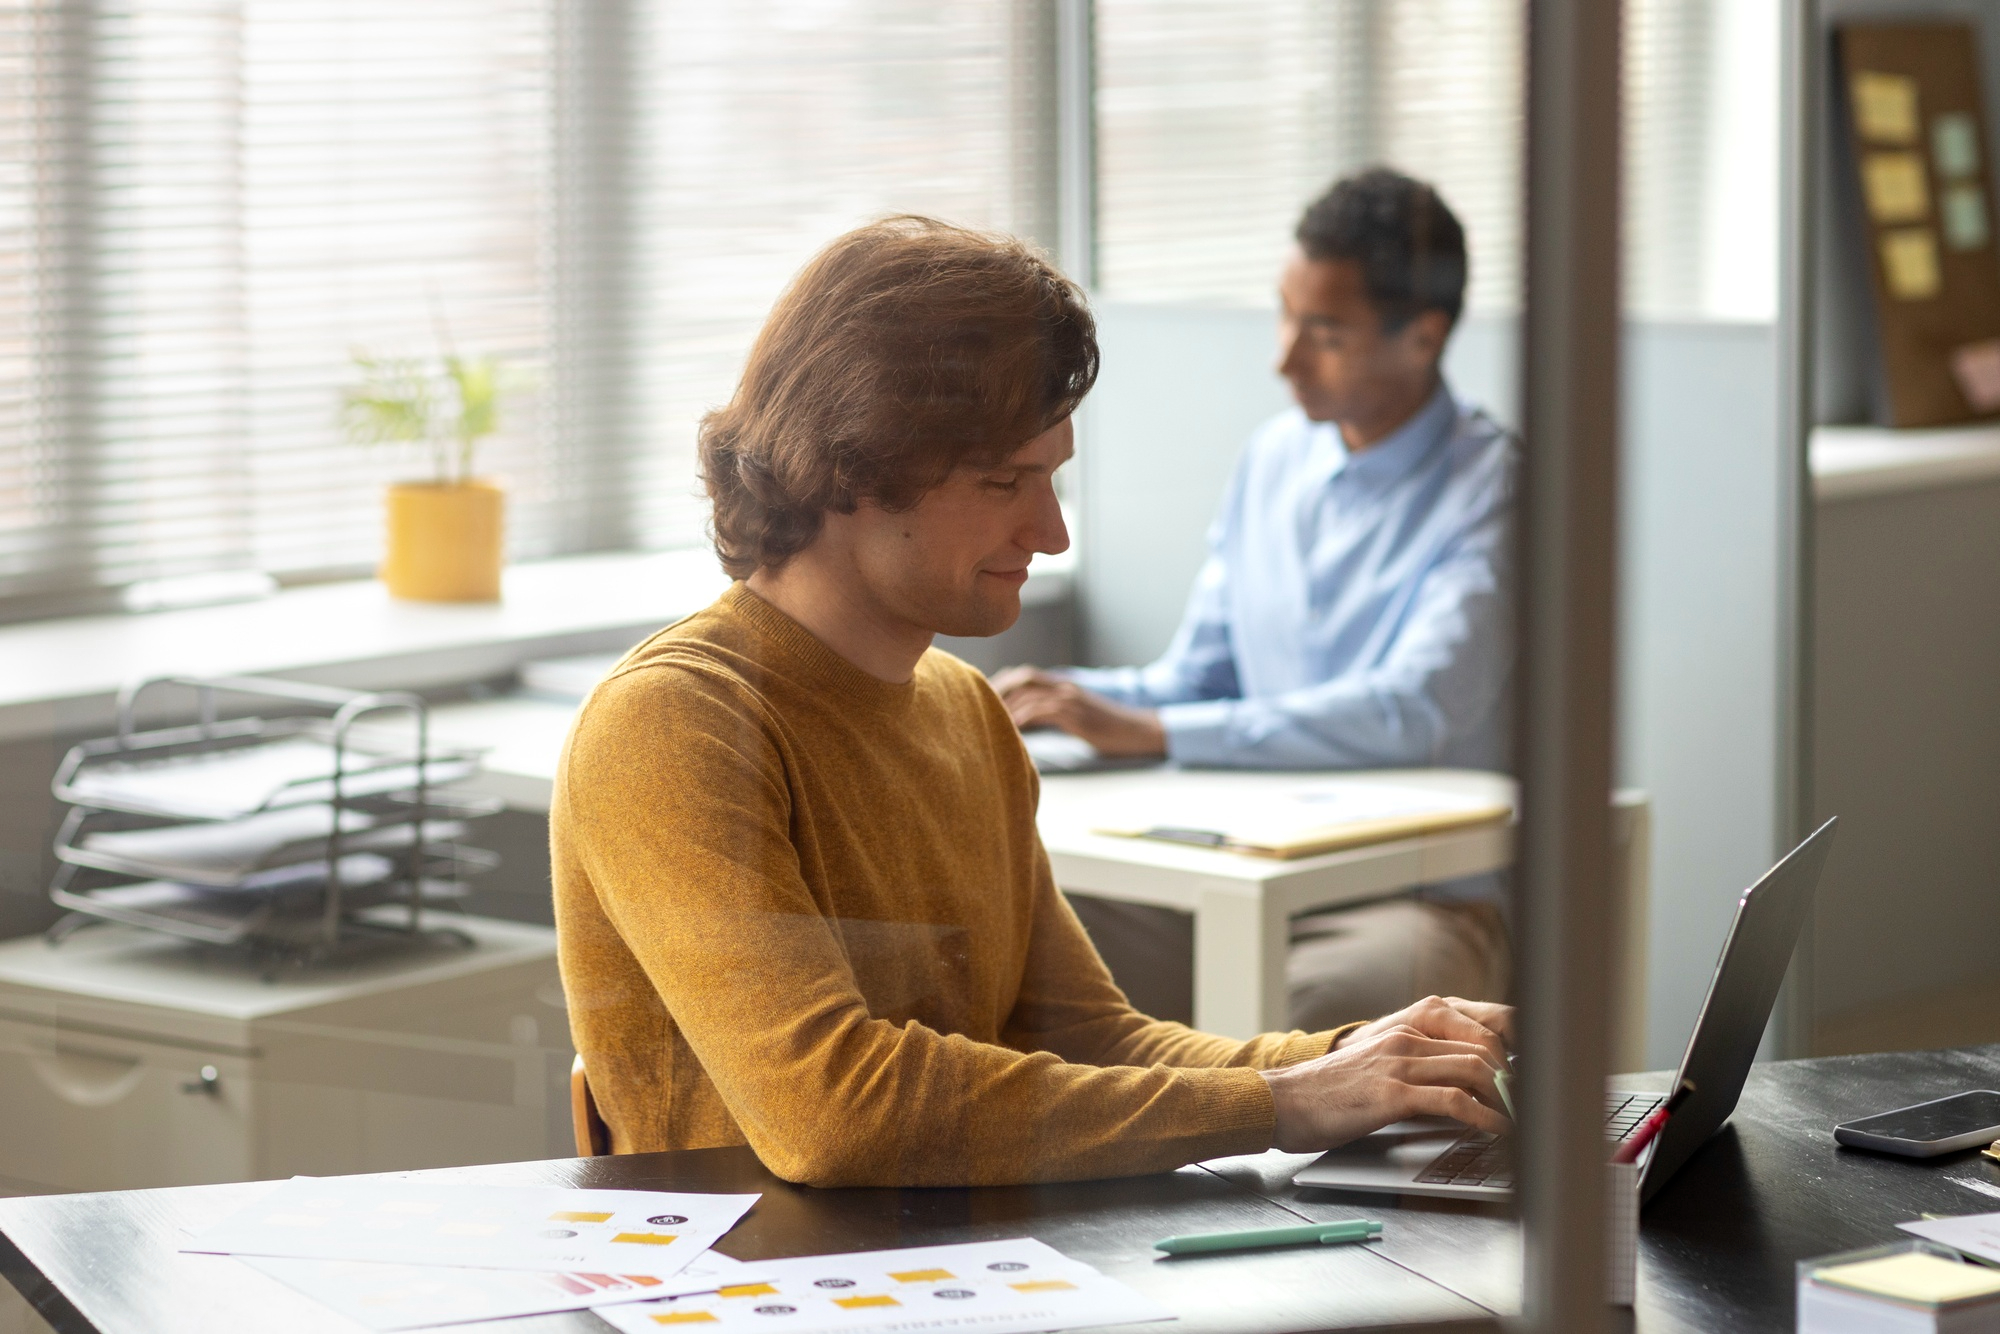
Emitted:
<point x="1629" y="1151"/>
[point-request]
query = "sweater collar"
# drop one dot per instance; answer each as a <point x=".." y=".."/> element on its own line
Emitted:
<point x="810" y="653"/>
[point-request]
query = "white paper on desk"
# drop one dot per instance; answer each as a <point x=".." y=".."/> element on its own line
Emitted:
<point x="399" y="1221"/>
<point x="1002" y="1287"/>
<point x="1974" y="1234"/>
<point x="1262" y="817"/>
<point x="396" y="1297"/>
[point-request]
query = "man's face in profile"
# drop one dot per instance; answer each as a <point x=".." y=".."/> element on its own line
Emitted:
<point x="1332" y="348"/>
<point x="955" y="564"/>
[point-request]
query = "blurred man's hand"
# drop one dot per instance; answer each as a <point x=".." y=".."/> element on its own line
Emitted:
<point x="1037" y="699"/>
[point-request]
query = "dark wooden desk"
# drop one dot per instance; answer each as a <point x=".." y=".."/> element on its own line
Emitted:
<point x="1717" y="1246"/>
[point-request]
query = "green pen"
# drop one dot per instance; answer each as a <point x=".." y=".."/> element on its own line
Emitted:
<point x="1307" y="1234"/>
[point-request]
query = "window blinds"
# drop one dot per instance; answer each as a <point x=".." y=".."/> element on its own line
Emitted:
<point x="766" y="128"/>
<point x="221" y="200"/>
<point x="207" y="205"/>
<point x="1219" y="120"/>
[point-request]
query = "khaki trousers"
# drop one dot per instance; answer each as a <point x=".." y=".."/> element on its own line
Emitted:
<point x="1351" y="963"/>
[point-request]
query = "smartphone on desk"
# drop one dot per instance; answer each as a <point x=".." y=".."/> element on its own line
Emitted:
<point x="1928" y="1129"/>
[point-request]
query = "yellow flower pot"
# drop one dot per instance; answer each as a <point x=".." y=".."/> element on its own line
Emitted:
<point x="447" y="541"/>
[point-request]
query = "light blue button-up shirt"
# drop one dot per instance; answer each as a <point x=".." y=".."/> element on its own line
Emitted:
<point x="1354" y="609"/>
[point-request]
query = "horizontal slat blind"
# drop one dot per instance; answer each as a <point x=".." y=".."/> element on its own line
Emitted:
<point x="1218" y="120"/>
<point x="208" y="204"/>
<point x="765" y="128"/>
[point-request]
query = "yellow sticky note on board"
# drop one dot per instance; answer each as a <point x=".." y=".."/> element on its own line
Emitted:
<point x="574" y="1216"/>
<point x="1895" y="188"/>
<point x="746" y="1290"/>
<point x="1885" y="107"/>
<point x="854" y="1303"/>
<point x="1910" y="263"/>
<point x="648" y="1238"/>
<point x="920" y="1275"/>
<point x="685" y="1318"/>
<point x="1043" y="1285"/>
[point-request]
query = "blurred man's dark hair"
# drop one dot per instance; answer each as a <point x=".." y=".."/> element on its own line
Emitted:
<point x="1409" y="245"/>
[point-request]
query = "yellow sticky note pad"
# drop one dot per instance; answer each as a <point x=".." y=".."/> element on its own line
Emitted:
<point x="648" y="1238"/>
<point x="1885" y="107"/>
<point x="921" y="1275"/>
<point x="1044" y="1285"/>
<point x="571" y="1216"/>
<point x="1910" y="263"/>
<point x="685" y="1318"/>
<point x="747" y="1290"/>
<point x="1913" y="1277"/>
<point x="852" y="1303"/>
<point x="1895" y="188"/>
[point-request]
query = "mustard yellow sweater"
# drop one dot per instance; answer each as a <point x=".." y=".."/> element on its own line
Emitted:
<point x="805" y="909"/>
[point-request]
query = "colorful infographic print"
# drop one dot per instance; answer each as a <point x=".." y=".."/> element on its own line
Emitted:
<point x="996" y="1286"/>
<point x="546" y="1228"/>
<point x="398" y="1297"/>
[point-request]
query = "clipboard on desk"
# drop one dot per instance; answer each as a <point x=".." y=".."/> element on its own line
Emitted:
<point x="1306" y="822"/>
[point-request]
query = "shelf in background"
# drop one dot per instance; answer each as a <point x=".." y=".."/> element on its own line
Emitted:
<point x="61" y="676"/>
<point x="1854" y="461"/>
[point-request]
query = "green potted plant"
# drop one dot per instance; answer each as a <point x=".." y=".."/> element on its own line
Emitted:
<point x="446" y="535"/>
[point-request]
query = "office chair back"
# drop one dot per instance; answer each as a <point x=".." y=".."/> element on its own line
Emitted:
<point x="593" y="1137"/>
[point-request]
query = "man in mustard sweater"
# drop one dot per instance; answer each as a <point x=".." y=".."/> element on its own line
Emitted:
<point x="800" y="897"/>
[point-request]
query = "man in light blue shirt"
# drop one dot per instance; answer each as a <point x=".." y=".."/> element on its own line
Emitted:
<point x="1354" y="609"/>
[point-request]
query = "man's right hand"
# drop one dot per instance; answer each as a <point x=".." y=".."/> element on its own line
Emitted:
<point x="1378" y="1076"/>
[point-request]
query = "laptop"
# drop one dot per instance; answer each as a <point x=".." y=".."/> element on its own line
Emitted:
<point x="1441" y="1158"/>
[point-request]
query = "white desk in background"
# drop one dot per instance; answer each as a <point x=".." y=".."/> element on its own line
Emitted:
<point x="1241" y="904"/>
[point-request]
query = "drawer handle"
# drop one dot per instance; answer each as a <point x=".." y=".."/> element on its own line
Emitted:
<point x="88" y="1079"/>
<point x="209" y="1081"/>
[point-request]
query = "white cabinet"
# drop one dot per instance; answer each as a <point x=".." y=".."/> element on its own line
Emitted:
<point x="435" y="1058"/>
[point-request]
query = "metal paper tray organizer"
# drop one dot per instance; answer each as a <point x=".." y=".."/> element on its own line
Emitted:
<point x="329" y="829"/>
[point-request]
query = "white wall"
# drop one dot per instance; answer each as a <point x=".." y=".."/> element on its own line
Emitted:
<point x="1182" y="388"/>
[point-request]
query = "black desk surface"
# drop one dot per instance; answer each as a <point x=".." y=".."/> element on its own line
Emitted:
<point x="1717" y="1245"/>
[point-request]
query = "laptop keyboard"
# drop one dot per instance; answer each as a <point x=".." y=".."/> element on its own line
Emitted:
<point x="1480" y="1159"/>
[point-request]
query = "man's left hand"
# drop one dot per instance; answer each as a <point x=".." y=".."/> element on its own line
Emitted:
<point x="1483" y="1024"/>
<point x="1037" y="699"/>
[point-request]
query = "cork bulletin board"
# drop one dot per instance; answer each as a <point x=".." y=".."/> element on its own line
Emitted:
<point x="1921" y="169"/>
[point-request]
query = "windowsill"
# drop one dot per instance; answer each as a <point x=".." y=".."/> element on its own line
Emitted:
<point x="1854" y="461"/>
<point x="62" y="676"/>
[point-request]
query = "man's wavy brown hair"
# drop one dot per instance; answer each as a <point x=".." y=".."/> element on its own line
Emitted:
<point x="905" y="349"/>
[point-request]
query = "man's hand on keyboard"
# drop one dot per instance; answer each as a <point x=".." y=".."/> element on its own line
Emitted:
<point x="1482" y="1023"/>
<point x="1382" y="1075"/>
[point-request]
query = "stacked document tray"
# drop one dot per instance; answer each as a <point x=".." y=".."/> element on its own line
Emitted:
<point x="306" y="833"/>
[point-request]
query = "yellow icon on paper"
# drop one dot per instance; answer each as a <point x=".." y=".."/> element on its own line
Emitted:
<point x="852" y="1303"/>
<point x="1885" y="107"/>
<point x="921" y="1275"/>
<point x="747" y="1290"/>
<point x="1895" y="187"/>
<point x="1044" y="1285"/>
<point x="648" y="1238"/>
<point x="1910" y="263"/>
<point x="573" y="1216"/>
<point x="685" y="1318"/>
